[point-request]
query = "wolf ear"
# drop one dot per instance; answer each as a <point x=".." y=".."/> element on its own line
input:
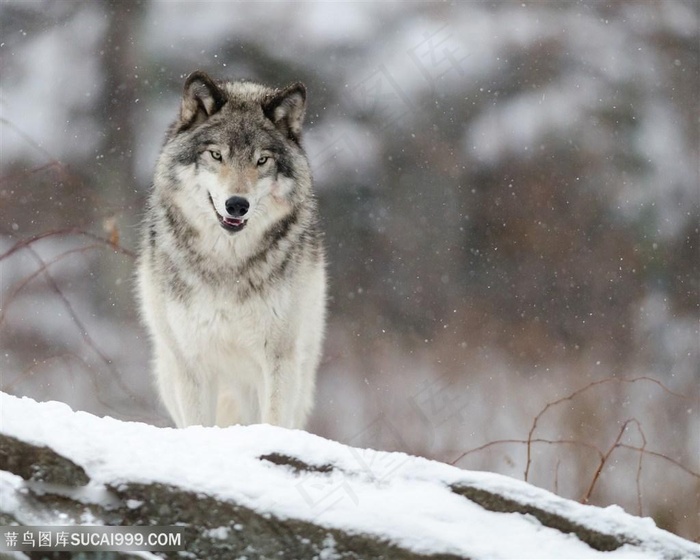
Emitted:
<point x="286" y="109"/>
<point x="200" y="100"/>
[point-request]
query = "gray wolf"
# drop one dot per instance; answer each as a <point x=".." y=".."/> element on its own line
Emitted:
<point x="231" y="272"/>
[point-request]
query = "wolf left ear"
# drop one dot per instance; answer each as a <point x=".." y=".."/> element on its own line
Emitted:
<point x="201" y="98"/>
<point x="286" y="109"/>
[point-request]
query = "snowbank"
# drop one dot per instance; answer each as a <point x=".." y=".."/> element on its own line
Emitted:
<point x="329" y="499"/>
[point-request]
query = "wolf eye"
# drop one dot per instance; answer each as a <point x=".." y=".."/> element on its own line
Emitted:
<point x="263" y="160"/>
<point x="215" y="154"/>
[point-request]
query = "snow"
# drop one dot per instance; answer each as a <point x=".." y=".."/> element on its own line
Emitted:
<point x="397" y="496"/>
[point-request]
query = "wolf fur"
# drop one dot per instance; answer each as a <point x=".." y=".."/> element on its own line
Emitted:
<point x="234" y="298"/>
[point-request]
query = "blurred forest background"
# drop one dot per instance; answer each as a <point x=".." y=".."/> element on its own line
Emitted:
<point x="510" y="194"/>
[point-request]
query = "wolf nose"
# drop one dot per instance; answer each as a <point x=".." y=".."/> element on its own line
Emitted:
<point x="237" y="206"/>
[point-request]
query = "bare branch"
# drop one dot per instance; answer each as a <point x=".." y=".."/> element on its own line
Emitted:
<point x="25" y="243"/>
<point x="81" y="327"/>
<point x="583" y="390"/>
<point x="28" y="139"/>
<point x="605" y="458"/>
<point x="39" y="271"/>
<point x="590" y="446"/>
<point x="523" y="441"/>
<point x="661" y="456"/>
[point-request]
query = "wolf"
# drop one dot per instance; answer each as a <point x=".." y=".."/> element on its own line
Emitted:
<point x="231" y="272"/>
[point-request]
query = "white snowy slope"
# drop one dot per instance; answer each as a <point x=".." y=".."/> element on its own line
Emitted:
<point x="402" y="498"/>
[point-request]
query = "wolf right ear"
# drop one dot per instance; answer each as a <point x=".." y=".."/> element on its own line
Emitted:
<point x="200" y="100"/>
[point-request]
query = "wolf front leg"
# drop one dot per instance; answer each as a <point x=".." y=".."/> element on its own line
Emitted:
<point x="280" y="392"/>
<point x="305" y="393"/>
<point x="188" y="397"/>
<point x="309" y="341"/>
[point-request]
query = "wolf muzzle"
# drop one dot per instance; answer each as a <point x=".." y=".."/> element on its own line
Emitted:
<point x="236" y="209"/>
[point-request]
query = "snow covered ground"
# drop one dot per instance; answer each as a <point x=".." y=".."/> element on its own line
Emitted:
<point x="405" y="499"/>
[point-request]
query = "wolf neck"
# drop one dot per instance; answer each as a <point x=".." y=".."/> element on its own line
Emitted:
<point x="247" y="260"/>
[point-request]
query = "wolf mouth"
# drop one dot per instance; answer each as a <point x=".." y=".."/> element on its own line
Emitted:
<point x="228" y="223"/>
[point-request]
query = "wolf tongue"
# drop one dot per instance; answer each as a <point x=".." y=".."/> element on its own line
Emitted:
<point x="233" y="221"/>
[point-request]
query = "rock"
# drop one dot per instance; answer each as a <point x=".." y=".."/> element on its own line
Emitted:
<point x="39" y="463"/>
<point x="248" y="492"/>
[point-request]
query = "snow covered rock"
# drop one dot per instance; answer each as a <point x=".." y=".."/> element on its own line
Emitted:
<point x="266" y="492"/>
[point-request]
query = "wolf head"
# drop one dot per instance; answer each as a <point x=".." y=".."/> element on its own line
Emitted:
<point x="233" y="156"/>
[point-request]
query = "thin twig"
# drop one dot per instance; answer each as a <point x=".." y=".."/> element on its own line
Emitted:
<point x="82" y="329"/>
<point x="576" y="394"/>
<point x="25" y="243"/>
<point x="28" y="139"/>
<point x="580" y="443"/>
<point x="26" y="280"/>
<point x="20" y="174"/>
<point x="661" y="456"/>
<point x="605" y="458"/>
<point x="638" y="478"/>
<point x="524" y="442"/>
